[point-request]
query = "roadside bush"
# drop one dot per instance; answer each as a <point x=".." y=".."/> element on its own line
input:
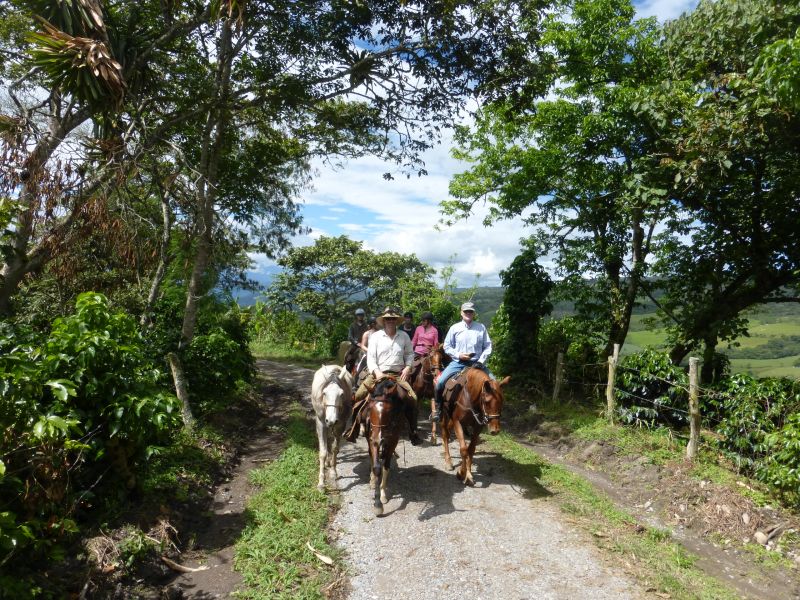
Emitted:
<point x="781" y="468"/>
<point x="286" y="328"/>
<point x="750" y="410"/>
<point x="215" y="363"/>
<point x="582" y="347"/>
<point x="651" y="389"/>
<point x="75" y="409"/>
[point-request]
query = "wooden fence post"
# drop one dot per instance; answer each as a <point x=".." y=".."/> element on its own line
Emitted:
<point x="612" y="375"/>
<point x="694" y="411"/>
<point x="559" y="376"/>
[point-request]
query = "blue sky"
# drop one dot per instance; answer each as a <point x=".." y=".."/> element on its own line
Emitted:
<point x="401" y="215"/>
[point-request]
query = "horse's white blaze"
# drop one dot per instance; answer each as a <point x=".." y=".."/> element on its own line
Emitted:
<point x="333" y="402"/>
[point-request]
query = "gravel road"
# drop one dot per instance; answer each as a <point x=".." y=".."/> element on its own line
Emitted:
<point x="438" y="539"/>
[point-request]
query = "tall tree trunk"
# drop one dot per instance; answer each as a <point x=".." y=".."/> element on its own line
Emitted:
<point x="709" y="349"/>
<point x="163" y="260"/>
<point x="621" y="319"/>
<point x="181" y="389"/>
<point x="213" y="142"/>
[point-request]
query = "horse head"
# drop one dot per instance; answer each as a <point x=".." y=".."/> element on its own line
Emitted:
<point x="490" y="398"/>
<point x="335" y="394"/>
<point x="439" y="359"/>
<point x="388" y="400"/>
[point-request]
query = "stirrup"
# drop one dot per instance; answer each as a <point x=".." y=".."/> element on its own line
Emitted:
<point x="436" y="415"/>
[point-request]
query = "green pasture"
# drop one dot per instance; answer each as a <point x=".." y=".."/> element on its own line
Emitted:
<point x="642" y="335"/>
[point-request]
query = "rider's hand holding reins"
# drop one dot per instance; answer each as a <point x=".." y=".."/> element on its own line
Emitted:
<point x="405" y="373"/>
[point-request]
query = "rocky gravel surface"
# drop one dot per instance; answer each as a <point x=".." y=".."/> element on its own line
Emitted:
<point x="439" y="539"/>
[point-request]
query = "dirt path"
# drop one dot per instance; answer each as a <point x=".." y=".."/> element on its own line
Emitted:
<point x="216" y="535"/>
<point x="439" y="539"/>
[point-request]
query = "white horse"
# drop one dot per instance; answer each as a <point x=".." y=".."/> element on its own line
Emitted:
<point x="332" y="399"/>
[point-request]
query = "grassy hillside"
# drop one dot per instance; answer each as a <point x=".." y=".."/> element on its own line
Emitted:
<point x="772" y="348"/>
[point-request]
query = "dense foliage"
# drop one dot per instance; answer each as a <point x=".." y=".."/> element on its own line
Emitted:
<point x="754" y="420"/>
<point x="77" y="409"/>
<point x="515" y="327"/>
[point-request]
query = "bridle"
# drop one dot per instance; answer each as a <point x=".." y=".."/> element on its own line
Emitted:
<point x="484" y="417"/>
<point x="333" y="378"/>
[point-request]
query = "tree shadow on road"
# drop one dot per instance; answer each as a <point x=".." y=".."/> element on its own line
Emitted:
<point x="436" y="488"/>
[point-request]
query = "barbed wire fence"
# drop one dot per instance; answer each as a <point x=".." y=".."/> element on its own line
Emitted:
<point x="612" y="392"/>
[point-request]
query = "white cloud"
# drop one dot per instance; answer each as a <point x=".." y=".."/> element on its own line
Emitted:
<point x="665" y="10"/>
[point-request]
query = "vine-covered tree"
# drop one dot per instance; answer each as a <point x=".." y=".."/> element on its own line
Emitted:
<point x="525" y="304"/>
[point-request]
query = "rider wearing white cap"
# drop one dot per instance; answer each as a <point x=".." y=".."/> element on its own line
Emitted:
<point x="468" y="344"/>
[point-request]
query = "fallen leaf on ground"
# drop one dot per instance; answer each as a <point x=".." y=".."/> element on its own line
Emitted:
<point x="180" y="568"/>
<point x="326" y="559"/>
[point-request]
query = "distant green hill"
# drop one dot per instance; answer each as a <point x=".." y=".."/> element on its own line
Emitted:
<point x="771" y="348"/>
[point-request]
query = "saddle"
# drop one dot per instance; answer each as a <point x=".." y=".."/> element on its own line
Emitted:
<point x="451" y="391"/>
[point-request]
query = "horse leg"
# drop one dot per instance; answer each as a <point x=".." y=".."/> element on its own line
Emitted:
<point x="433" y="423"/>
<point x="462" y="447"/>
<point x="332" y="454"/>
<point x="448" y="462"/>
<point x="377" y="473"/>
<point x="468" y="480"/>
<point x="384" y="481"/>
<point x="322" y="438"/>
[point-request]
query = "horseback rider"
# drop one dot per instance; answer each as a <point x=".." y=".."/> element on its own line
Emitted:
<point x="372" y="327"/>
<point x="389" y="354"/>
<point x="407" y="326"/>
<point x="468" y="344"/>
<point x="357" y="329"/>
<point x="426" y="336"/>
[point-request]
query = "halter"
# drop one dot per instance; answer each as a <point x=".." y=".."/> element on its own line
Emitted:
<point x="333" y="378"/>
<point x="483" y="418"/>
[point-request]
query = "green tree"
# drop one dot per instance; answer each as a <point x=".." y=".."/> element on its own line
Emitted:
<point x="734" y="155"/>
<point x="334" y="276"/>
<point x="524" y="305"/>
<point x="581" y="167"/>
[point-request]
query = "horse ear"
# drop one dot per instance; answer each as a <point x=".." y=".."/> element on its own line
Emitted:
<point x="506" y="379"/>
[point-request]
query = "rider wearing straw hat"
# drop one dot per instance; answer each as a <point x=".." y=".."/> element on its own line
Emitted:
<point x="389" y="354"/>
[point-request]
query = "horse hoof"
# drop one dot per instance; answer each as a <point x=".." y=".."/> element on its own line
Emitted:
<point x="377" y="510"/>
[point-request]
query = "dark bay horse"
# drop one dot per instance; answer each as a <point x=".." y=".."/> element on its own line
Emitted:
<point x="386" y="417"/>
<point x="423" y="378"/>
<point x="479" y="402"/>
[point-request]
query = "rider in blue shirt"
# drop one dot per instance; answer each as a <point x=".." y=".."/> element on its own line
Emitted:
<point x="468" y="344"/>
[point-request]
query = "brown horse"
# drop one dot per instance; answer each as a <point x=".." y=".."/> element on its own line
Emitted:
<point x="423" y="378"/>
<point x="478" y="403"/>
<point x="385" y="420"/>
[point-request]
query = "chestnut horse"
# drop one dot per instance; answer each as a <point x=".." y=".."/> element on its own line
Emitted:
<point x="478" y="403"/>
<point x="385" y="420"/>
<point x="423" y="378"/>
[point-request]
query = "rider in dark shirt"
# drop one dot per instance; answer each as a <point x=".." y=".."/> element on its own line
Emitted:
<point x="357" y="328"/>
<point x="408" y="325"/>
